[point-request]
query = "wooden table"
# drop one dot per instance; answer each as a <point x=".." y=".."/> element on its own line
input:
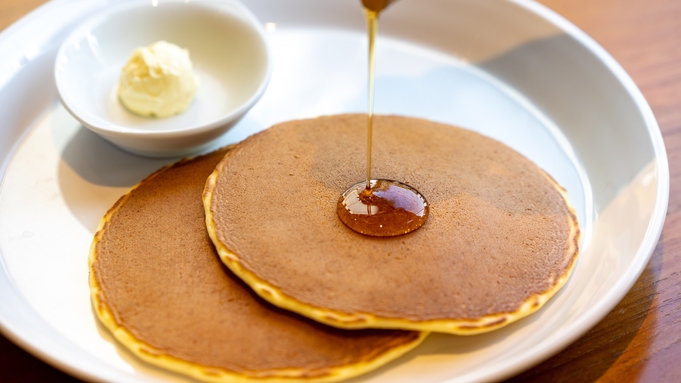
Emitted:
<point x="640" y="340"/>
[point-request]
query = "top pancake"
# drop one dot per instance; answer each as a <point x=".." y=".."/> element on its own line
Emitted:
<point x="500" y="239"/>
<point x="159" y="286"/>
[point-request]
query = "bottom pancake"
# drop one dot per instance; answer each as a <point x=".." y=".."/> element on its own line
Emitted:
<point x="159" y="286"/>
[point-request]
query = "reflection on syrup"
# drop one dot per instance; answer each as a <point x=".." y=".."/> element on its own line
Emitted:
<point x="386" y="209"/>
<point x="380" y="208"/>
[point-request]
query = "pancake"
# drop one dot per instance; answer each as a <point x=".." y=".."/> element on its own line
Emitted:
<point x="500" y="240"/>
<point x="159" y="286"/>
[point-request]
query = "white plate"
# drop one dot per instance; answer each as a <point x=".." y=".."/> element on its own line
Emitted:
<point x="511" y="70"/>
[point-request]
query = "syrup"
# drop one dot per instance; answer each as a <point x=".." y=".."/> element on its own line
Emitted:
<point x="380" y="208"/>
<point x="385" y="209"/>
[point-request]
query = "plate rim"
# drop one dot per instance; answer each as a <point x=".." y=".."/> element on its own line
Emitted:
<point x="625" y="282"/>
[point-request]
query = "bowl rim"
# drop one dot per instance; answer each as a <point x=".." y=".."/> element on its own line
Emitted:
<point x="115" y="130"/>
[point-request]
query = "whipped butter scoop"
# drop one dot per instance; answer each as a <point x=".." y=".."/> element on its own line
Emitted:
<point x="157" y="80"/>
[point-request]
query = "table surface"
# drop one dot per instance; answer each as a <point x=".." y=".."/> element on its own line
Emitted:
<point x="640" y="340"/>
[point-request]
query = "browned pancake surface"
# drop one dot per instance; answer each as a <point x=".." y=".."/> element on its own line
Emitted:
<point x="499" y="231"/>
<point x="160" y="277"/>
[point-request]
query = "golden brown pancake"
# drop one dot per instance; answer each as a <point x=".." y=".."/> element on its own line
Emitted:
<point x="159" y="286"/>
<point x="500" y="240"/>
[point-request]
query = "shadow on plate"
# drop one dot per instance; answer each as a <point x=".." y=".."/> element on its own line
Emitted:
<point x="93" y="174"/>
<point x="99" y="162"/>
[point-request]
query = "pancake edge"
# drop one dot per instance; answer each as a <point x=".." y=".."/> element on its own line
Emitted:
<point x="159" y="358"/>
<point x="361" y="320"/>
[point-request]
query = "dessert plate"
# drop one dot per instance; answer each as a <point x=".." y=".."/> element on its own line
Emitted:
<point x="511" y="70"/>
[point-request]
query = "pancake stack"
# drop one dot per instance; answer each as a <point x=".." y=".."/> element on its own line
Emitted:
<point x="500" y="240"/>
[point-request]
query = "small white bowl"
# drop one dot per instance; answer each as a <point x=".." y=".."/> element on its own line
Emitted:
<point x="227" y="47"/>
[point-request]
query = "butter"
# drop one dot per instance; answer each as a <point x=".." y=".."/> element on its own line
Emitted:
<point x="158" y="80"/>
